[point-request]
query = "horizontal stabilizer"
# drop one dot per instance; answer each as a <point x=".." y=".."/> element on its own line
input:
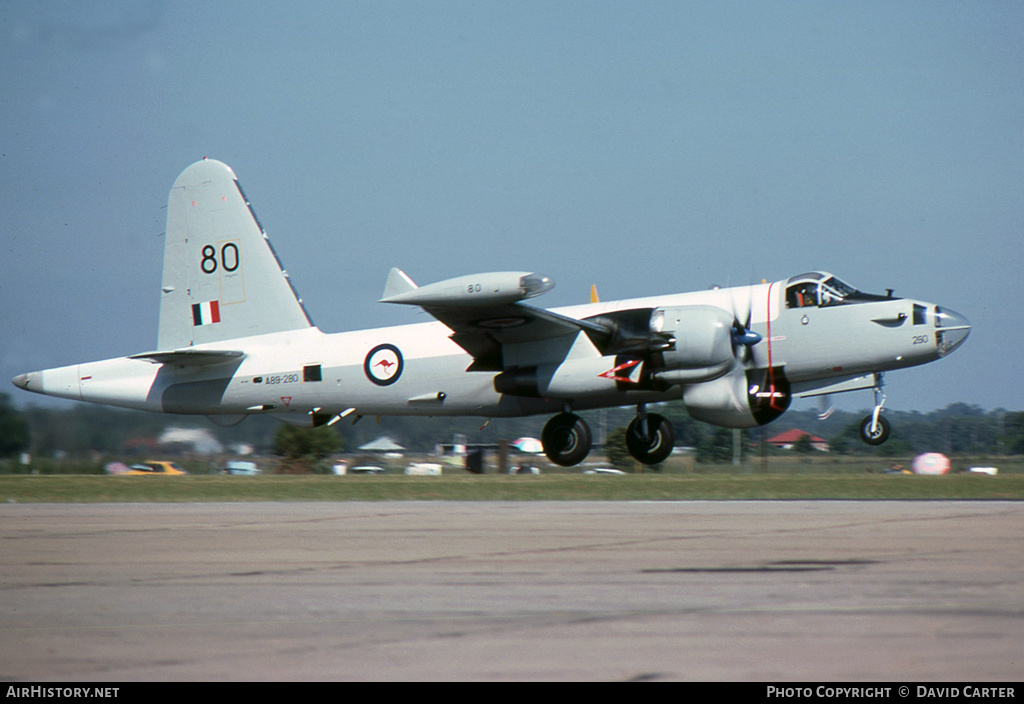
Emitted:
<point x="192" y="358"/>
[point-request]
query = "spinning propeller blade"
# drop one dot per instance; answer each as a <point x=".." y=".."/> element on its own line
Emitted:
<point x="743" y="338"/>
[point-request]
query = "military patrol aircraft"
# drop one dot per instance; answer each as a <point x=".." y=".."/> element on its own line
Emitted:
<point x="235" y="340"/>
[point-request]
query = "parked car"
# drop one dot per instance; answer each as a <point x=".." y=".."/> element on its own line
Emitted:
<point x="154" y="467"/>
<point x="424" y="469"/>
<point x="240" y="467"/>
<point x="367" y="469"/>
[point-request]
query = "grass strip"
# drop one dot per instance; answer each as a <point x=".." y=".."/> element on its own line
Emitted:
<point x="645" y="487"/>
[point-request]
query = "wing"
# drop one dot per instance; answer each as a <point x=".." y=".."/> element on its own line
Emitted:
<point x="491" y="334"/>
<point x="489" y="320"/>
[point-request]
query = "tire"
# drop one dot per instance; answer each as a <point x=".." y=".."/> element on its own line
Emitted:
<point x="658" y="443"/>
<point x="566" y="439"/>
<point x="880" y="435"/>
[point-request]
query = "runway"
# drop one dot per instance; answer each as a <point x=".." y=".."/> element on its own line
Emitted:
<point x="738" y="591"/>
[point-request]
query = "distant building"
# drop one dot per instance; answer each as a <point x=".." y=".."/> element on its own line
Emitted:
<point x="199" y="440"/>
<point x="786" y="440"/>
<point x="382" y="444"/>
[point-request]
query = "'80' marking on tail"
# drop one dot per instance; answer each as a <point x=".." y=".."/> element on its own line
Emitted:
<point x="229" y="259"/>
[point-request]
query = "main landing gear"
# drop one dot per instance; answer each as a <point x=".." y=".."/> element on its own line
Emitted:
<point x="567" y="439"/>
<point x="649" y="437"/>
<point x="874" y="429"/>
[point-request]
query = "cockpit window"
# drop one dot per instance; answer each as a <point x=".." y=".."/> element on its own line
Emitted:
<point x="834" y="291"/>
<point x="817" y="289"/>
<point x="802" y="295"/>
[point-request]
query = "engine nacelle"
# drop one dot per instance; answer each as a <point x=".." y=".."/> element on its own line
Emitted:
<point x="740" y="399"/>
<point x="701" y="348"/>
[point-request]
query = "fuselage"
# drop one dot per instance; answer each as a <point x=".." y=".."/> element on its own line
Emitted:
<point x="418" y="370"/>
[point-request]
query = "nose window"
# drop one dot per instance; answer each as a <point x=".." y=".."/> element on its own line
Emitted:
<point x="920" y="314"/>
<point x="953" y="329"/>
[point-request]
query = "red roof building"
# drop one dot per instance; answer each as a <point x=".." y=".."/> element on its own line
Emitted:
<point x="789" y="438"/>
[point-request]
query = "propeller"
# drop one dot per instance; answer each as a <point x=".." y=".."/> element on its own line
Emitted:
<point x="743" y="338"/>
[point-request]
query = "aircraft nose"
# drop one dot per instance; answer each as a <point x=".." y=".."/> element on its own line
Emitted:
<point x="29" y="382"/>
<point x="952" y="330"/>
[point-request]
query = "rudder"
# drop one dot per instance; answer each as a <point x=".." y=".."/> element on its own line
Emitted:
<point x="222" y="279"/>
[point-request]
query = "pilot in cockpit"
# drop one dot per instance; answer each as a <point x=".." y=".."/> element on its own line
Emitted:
<point x="802" y="295"/>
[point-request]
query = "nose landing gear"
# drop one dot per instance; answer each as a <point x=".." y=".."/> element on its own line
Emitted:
<point x="874" y="429"/>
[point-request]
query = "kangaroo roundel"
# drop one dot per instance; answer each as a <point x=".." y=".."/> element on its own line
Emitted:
<point x="383" y="365"/>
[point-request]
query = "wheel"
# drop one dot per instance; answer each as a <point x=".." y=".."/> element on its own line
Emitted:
<point x="566" y="439"/>
<point x="880" y="433"/>
<point x="655" y="445"/>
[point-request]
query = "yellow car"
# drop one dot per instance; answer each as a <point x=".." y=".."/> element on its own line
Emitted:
<point x="154" y="467"/>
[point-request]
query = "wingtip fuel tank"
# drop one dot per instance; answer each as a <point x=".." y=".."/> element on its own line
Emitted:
<point x="493" y="288"/>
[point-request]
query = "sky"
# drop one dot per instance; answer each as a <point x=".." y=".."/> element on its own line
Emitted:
<point x="645" y="147"/>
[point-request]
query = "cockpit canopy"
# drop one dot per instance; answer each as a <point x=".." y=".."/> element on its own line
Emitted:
<point x="820" y="288"/>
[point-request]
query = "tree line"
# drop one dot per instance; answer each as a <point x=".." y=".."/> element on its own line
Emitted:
<point x="83" y="430"/>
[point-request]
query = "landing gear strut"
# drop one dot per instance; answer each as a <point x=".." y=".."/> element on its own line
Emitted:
<point x="566" y="439"/>
<point x="649" y="437"/>
<point x="874" y="429"/>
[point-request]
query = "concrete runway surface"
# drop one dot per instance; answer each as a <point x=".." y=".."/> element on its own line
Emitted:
<point x="738" y="591"/>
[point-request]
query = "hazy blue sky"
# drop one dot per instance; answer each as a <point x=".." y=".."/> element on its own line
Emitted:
<point x="647" y="147"/>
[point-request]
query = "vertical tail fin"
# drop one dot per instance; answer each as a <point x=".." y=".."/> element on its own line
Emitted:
<point x="398" y="282"/>
<point x="222" y="279"/>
